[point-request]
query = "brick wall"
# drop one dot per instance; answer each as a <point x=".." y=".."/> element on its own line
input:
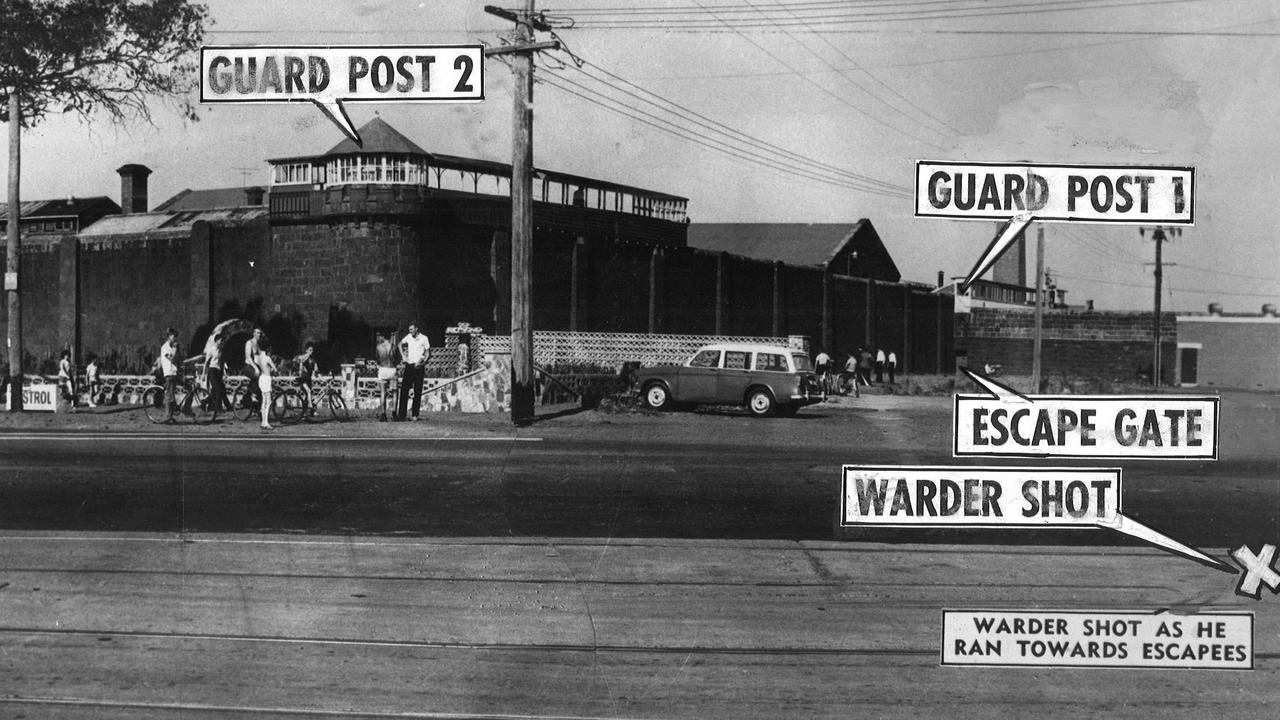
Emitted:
<point x="369" y="270"/>
<point x="1098" y="345"/>
<point x="1235" y="353"/>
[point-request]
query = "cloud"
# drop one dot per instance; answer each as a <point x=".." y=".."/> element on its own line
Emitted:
<point x="1152" y="119"/>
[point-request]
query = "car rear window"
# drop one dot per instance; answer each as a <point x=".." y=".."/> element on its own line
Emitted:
<point x="706" y="359"/>
<point x="734" y="360"/>
<point x="771" y="361"/>
<point x="802" y="362"/>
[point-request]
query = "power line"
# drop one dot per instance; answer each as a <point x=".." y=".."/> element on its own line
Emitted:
<point x="638" y="115"/>
<point x="1228" y="274"/>
<point x="1148" y="287"/>
<point x="921" y="110"/>
<point x="843" y="100"/>
<point x="665" y="20"/>
<point x="734" y="134"/>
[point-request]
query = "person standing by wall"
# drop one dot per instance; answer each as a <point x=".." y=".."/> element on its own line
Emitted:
<point x="252" y="347"/>
<point x="386" y="353"/>
<point x="169" y="368"/>
<point x="892" y="366"/>
<point x="213" y="372"/>
<point x="266" y="370"/>
<point x="93" y="380"/>
<point x="414" y="349"/>
<point x="880" y="361"/>
<point x="66" y="379"/>
<point x="306" y="375"/>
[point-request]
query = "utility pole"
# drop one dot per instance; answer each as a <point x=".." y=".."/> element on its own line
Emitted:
<point x="1159" y="235"/>
<point x="12" y="254"/>
<point x="1039" y="314"/>
<point x="522" y="381"/>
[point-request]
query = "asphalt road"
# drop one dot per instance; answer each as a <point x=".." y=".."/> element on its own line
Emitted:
<point x="594" y="565"/>
<point x="700" y="475"/>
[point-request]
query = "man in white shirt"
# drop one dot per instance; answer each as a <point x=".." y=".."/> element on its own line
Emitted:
<point x="169" y="366"/>
<point x="414" y="349"/>
<point x="892" y="365"/>
<point x="879" y="366"/>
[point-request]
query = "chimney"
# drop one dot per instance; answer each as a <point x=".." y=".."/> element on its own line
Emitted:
<point x="1215" y="308"/>
<point x="1088" y="305"/>
<point x="133" y="188"/>
<point x="940" y="278"/>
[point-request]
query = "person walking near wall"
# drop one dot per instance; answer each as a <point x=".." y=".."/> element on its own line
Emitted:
<point x="822" y="365"/>
<point x="864" y="366"/>
<point x="849" y="378"/>
<point x="414" y="348"/>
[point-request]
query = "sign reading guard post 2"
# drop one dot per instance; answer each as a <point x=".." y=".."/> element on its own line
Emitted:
<point x="331" y="75"/>
<point x="1091" y="193"/>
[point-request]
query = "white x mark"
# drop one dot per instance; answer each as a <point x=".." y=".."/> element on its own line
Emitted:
<point x="1258" y="571"/>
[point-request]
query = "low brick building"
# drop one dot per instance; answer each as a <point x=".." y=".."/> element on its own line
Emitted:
<point x="1230" y="351"/>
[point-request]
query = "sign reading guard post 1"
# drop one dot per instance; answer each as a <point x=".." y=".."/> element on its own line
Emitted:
<point x="906" y="496"/>
<point x="1099" y="639"/>
<point x="1091" y="193"/>
<point x="1004" y="423"/>
<point x="331" y="75"/>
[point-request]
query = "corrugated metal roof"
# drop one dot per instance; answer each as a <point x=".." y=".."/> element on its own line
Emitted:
<point x="209" y="199"/>
<point x="172" y="223"/>
<point x="73" y="206"/>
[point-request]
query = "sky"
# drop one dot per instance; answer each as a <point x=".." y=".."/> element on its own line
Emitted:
<point x="800" y="111"/>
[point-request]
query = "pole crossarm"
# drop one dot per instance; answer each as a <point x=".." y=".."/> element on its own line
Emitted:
<point x="525" y="48"/>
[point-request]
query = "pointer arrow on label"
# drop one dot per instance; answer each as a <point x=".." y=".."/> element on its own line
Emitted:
<point x="1009" y="233"/>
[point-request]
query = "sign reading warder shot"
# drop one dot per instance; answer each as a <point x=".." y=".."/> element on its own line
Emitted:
<point x="1097" y="639"/>
<point x="1092" y="193"/>
<point x="911" y="496"/>
<point x="332" y="75"/>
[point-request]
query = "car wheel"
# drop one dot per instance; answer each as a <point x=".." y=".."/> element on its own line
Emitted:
<point x="657" y="397"/>
<point x="760" y="402"/>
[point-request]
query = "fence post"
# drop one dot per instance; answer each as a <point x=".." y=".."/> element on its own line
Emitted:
<point x="349" y="384"/>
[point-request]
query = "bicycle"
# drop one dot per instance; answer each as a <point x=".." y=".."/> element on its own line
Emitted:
<point x="189" y="402"/>
<point x="246" y="402"/>
<point x="292" y="405"/>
